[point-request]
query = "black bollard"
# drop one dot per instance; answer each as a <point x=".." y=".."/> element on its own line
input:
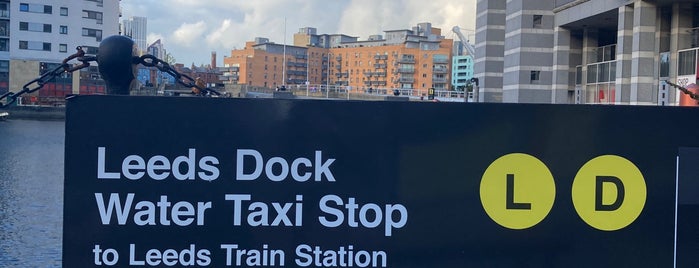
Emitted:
<point x="115" y="59"/>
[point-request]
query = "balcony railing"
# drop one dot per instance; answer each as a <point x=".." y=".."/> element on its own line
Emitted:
<point x="439" y="79"/>
<point x="406" y="79"/>
<point x="440" y="69"/>
<point x="405" y="70"/>
<point x="406" y="59"/>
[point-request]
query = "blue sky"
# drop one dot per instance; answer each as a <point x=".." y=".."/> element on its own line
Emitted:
<point x="191" y="30"/>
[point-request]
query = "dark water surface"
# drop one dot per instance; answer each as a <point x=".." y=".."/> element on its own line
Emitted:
<point x="31" y="193"/>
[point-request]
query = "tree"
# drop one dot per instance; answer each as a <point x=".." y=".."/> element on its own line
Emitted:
<point x="169" y="58"/>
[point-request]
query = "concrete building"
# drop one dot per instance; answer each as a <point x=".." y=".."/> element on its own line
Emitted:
<point x="36" y="36"/>
<point x="585" y="51"/>
<point x="407" y="59"/>
<point x="136" y="28"/>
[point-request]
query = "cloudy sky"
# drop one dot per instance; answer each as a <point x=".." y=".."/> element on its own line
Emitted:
<point x="191" y="30"/>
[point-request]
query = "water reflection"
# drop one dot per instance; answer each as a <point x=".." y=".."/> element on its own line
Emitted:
<point x="31" y="193"/>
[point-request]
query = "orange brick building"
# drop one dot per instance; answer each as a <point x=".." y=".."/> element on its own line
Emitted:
<point x="409" y="59"/>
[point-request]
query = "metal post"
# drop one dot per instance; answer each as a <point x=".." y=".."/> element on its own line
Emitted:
<point x="116" y="65"/>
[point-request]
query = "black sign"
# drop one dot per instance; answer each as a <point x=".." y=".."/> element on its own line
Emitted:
<point x="208" y="182"/>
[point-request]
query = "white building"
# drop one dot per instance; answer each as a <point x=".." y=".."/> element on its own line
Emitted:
<point x="137" y="29"/>
<point x="43" y="33"/>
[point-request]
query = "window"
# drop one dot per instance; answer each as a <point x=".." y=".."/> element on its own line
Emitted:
<point x="64" y="11"/>
<point x="534" y="76"/>
<point x="3" y="45"/>
<point x="90" y="50"/>
<point x="97" y="34"/>
<point x="88" y="14"/>
<point x="35" y="8"/>
<point x="34" y="45"/>
<point x="63" y="29"/>
<point x="536" y="21"/>
<point x="63" y="48"/>
<point x="687" y="62"/>
<point x="34" y="27"/>
<point x="4" y="10"/>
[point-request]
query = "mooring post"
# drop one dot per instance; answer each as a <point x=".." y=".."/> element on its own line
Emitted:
<point x="115" y="59"/>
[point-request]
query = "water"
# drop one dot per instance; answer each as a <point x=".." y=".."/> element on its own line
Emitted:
<point x="31" y="193"/>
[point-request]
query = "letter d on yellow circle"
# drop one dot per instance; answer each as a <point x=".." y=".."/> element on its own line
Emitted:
<point x="609" y="192"/>
<point x="517" y="191"/>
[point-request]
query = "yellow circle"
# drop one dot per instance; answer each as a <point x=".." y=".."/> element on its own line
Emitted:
<point x="609" y="192"/>
<point x="517" y="191"/>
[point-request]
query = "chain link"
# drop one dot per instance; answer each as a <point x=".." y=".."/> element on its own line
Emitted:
<point x="10" y="97"/>
<point x="182" y="79"/>
<point x="684" y="90"/>
<point x="147" y="60"/>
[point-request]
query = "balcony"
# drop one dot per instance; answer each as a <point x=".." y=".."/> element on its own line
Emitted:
<point x="297" y="64"/>
<point x="405" y="70"/>
<point x="381" y="57"/>
<point x="439" y="79"/>
<point x="380" y="66"/>
<point x="440" y="60"/>
<point x="440" y="69"/>
<point x="296" y="73"/>
<point x="374" y="83"/>
<point x="406" y="59"/>
<point x="406" y="79"/>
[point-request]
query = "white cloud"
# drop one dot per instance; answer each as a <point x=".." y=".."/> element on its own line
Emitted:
<point x="190" y="30"/>
<point x="215" y="37"/>
<point x="189" y="34"/>
<point x="152" y="37"/>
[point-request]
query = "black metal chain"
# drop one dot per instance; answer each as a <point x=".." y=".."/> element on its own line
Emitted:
<point x="684" y="90"/>
<point x="183" y="79"/>
<point x="10" y="97"/>
<point x="65" y="67"/>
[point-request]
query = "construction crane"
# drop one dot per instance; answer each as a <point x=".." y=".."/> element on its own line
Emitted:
<point x="471" y="49"/>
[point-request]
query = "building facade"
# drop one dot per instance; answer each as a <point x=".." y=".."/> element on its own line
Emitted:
<point x="407" y="59"/>
<point x="137" y="29"/>
<point x="461" y="71"/>
<point x="585" y="51"/>
<point x="36" y="36"/>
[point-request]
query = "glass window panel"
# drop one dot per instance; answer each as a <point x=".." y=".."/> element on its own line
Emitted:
<point x="687" y="62"/>
<point x="591" y="74"/>
<point x="603" y="72"/>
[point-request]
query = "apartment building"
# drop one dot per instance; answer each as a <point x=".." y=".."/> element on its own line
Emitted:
<point x="461" y="67"/>
<point x="407" y="59"/>
<point x="36" y="36"/>
<point x="585" y="51"/>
